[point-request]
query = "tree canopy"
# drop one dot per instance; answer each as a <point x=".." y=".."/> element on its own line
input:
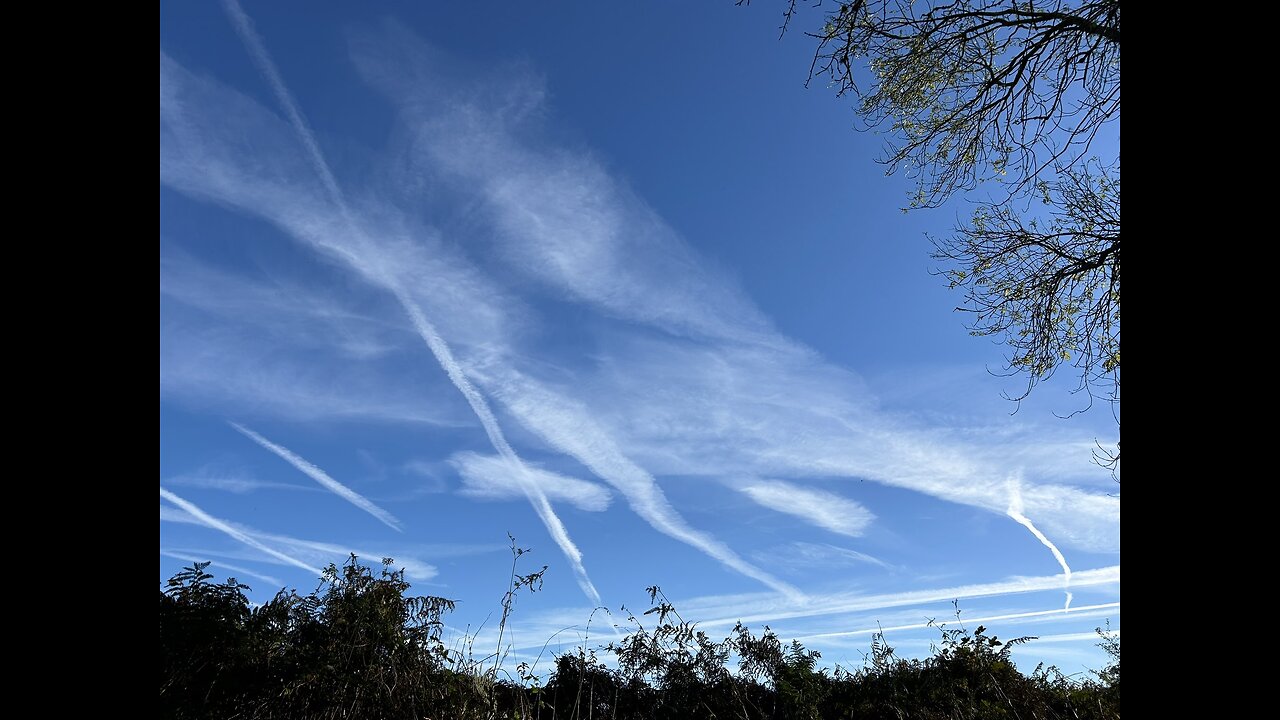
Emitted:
<point x="1015" y="104"/>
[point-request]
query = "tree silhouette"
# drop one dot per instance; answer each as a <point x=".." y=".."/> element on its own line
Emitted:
<point x="1020" y="98"/>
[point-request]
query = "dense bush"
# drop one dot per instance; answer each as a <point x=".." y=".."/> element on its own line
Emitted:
<point x="360" y="647"/>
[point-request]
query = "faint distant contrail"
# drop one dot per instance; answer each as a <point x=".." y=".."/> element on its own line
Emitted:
<point x="224" y="566"/>
<point x="439" y="348"/>
<point x="223" y="526"/>
<point x="1015" y="512"/>
<point x="258" y="51"/>
<point x="323" y="478"/>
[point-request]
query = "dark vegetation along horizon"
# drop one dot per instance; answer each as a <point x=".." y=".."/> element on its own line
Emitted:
<point x="360" y="646"/>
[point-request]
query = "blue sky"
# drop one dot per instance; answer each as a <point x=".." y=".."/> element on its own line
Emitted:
<point x="608" y="278"/>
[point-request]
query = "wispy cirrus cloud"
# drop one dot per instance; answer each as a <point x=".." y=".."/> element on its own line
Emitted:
<point x="353" y="325"/>
<point x="719" y="382"/>
<point x="268" y="345"/>
<point x="488" y="477"/>
<point x="196" y="166"/>
<point x="362" y="254"/>
<point x="683" y="407"/>
<point x="561" y="217"/>
<point x="816" y="507"/>
<point x="682" y="376"/>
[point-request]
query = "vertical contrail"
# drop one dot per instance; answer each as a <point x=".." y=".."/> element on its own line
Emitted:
<point x="1015" y="512"/>
<point x="225" y="527"/>
<point x="426" y="330"/>
<point x="323" y="478"/>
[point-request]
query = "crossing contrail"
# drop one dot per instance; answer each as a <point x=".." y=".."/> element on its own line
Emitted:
<point x="425" y="329"/>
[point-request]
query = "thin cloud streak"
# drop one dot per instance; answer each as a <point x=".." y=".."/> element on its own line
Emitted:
<point x="235" y="485"/>
<point x="322" y="553"/>
<point x="816" y="507"/>
<point x="439" y="348"/>
<point x="818" y="555"/>
<point x="320" y="476"/>
<point x="562" y="219"/>
<point x="488" y="477"/>
<point x="204" y="518"/>
<point x="222" y="566"/>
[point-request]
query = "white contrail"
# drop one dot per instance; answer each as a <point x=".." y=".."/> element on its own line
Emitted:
<point x="439" y="348"/>
<point x="322" y="477"/>
<point x="223" y="566"/>
<point x="224" y="527"/>
<point x="989" y="618"/>
<point x="758" y="609"/>
<point x="1015" y="512"/>
<point x="765" y="609"/>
